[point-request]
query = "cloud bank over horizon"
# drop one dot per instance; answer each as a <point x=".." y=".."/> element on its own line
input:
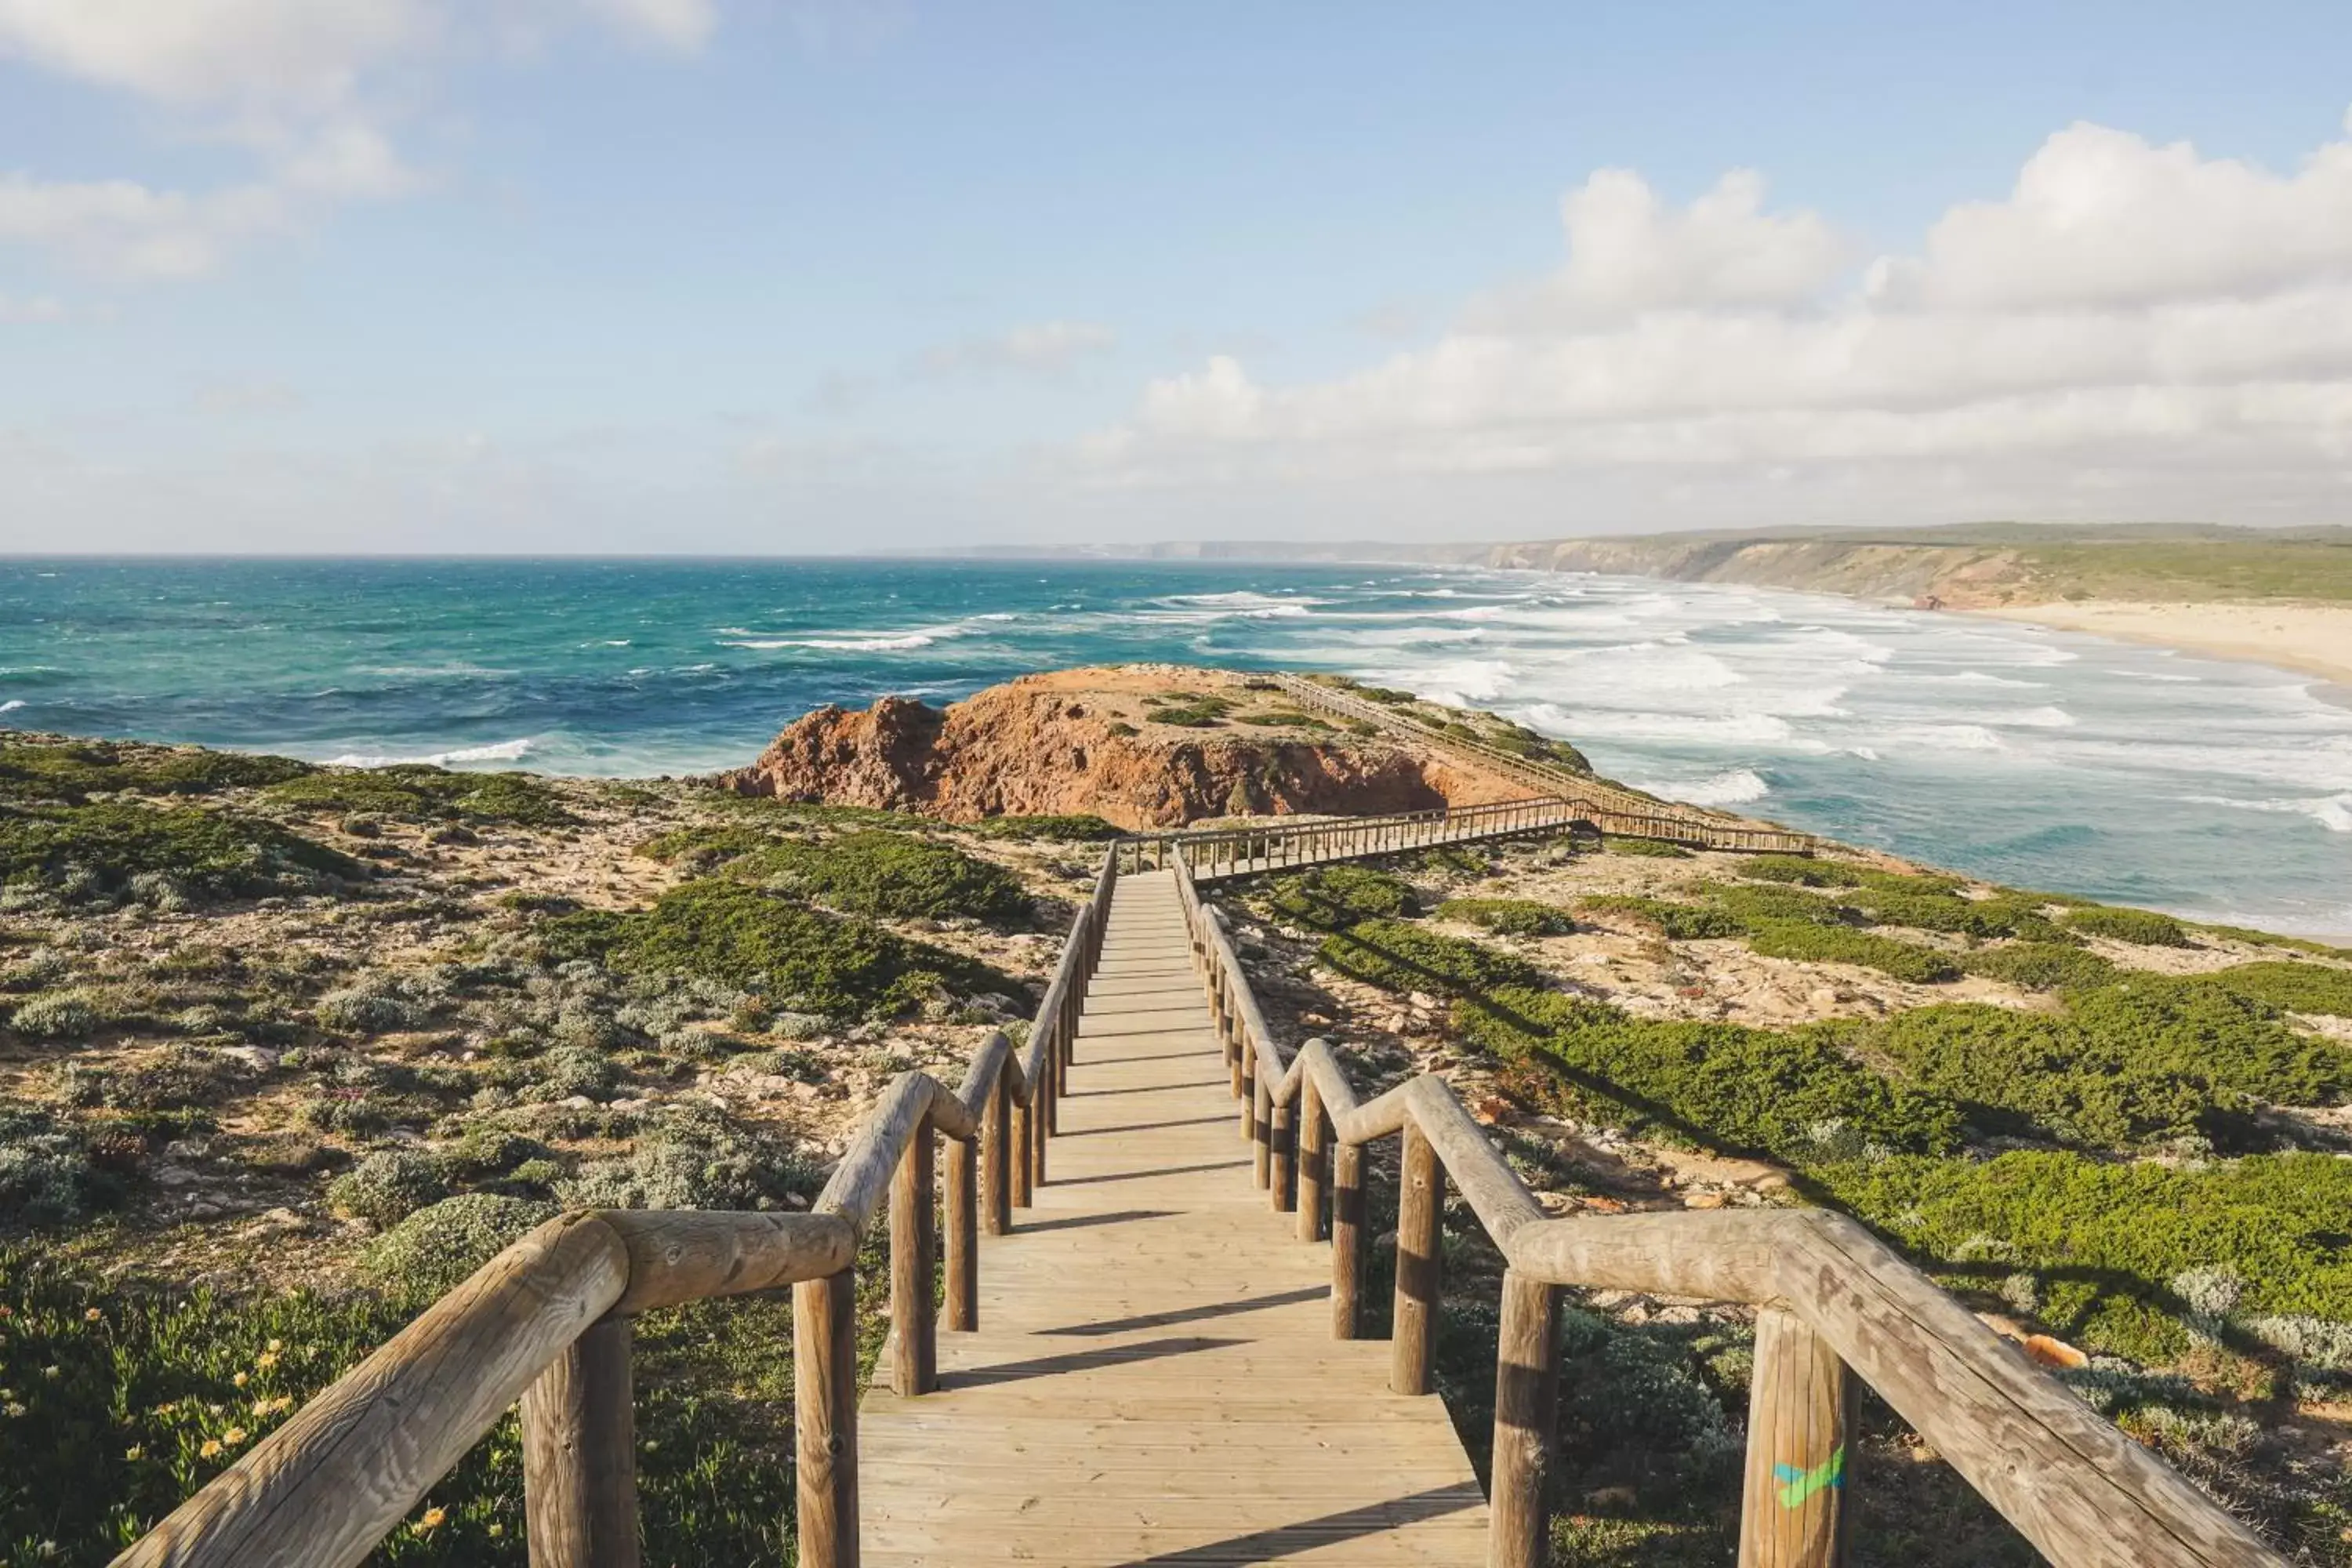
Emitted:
<point x="612" y="275"/>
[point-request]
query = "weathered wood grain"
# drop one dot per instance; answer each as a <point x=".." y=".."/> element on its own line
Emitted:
<point x="1526" y="1408"/>
<point x="914" y="1254"/>
<point x="580" y="1455"/>
<point x="688" y="1255"/>
<point x="1800" y="1424"/>
<point x="824" y="1420"/>
<point x="1421" y="1201"/>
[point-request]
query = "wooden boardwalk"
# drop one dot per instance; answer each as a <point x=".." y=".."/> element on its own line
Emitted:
<point x="1154" y="1379"/>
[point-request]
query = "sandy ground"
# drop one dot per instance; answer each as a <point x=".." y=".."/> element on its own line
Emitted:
<point x="2315" y="639"/>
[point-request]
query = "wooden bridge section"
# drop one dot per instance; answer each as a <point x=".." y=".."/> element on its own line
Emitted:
<point x="1154" y="1378"/>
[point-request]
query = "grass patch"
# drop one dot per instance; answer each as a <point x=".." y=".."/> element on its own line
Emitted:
<point x="2111" y="1246"/>
<point x="895" y="875"/>
<point x="2292" y="987"/>
<point x="108" y="850"/>
<point x="798" y="958"/>
<point x="1654" y="849"/>
<point x="69" y="772"/>
<point x="2042" y="966"/>
<point x="1679" y="922"/>
<point x="1792" y="1094"/>
<point x="1509" y="917"/>
<point x="1332" y="897"/>
<point x="1396" y="956"/>
<point x="416" y="792"/>
<point x="1073" y="828"/>
<point x="2144" y="927"/>
<point x="1188" y="709"/>
<point x="1816" y="944"/>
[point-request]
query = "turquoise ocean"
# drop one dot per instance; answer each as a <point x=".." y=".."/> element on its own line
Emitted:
<point x="2218" y="790"/>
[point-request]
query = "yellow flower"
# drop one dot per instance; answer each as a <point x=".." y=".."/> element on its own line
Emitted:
<point x="432" y="1517"/>
<point x="134" y="1452"/>
<point x="238" y="1380"/>
<point x="266" y="1359"/>
<point x="497" y="1530"/>
<point x="233" y="1436"/>
<point x="92" y="1316"/>
<point x="277" y="1345"/>
<point x="211" y="1448"/>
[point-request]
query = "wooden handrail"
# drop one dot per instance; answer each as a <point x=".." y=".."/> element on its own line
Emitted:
<point x="1830" y="1296"/>
<point x="545" y="1322"/>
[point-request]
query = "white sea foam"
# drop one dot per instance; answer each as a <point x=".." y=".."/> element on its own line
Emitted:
<point x="1947" y="737"/>
<point x="1736" y="787"/>
<point x="1981" y="677"/>
<point x="2331" y="812"/>
<point x="12" y="705"/>
<point x="496" y="752"/>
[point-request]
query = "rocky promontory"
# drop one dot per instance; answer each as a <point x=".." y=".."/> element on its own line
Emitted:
<point x="1139" y="746"/>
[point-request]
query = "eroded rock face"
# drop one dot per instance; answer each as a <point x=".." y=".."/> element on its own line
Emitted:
<point x="1085" y="741"/>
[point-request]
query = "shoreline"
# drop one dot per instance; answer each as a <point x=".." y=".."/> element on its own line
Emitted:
<point x="2307" y="639"/>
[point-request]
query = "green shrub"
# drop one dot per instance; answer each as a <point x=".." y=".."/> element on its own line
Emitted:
<point x="2110" y="1239"/>
<point x="1397" y="956"/>
<point x="2143" y="1059"/>
<point x="757" y="940"/>
<point x="110" y="849"/>
<point x="2145" y="927"/>
<point x="33" y="769"/>
<point x="2291" y="988"/>
<point x="1509" y="917"/>
<point x="58" y="1016"/>
<point x="46" y="1176"/>
<point x="1799" y="869"/>
<point x="1331" y="898"/>
<point x="1066" y="827"/>
<point x="1682" y="923"/>
<point x="1648" y="1409"/>
<point x="181" y="1077"/>
<point x="706" y="845"/>
<point x="895" y="875"/>
<point x="435" y="1247"/>
<point x="1843" y="944"/>
<point x="1749" y="903"/>
<point x="1655" y="848"/>
<point x="2042" y="966"/>
<point x="387" y="1187"/>
<point x="415" y="791"/>
<point x="694" y="1158"/>
<point x="1792" y="1094"/>
<point x="1188" y="709"/>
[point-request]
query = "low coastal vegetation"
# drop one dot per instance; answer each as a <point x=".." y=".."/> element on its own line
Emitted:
<point x="285" y="1050"/>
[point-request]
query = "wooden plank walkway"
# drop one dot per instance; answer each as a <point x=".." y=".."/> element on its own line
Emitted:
<point x="1154" y="1379"/>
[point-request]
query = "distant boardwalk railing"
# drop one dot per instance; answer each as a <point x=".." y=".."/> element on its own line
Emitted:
<point x="1658" y="819"/>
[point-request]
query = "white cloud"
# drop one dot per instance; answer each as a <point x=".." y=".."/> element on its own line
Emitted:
<point x="311" y="89"/>
<point x="2135" y="309"/>
<point x="1046" y="348"/>
<point x="39" y="307"/>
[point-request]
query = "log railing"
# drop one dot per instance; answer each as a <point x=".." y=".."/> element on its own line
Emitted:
<point x="1835" y="1307"/>
<point x="546" y="1324"/>
<point x="1638" y="814"/>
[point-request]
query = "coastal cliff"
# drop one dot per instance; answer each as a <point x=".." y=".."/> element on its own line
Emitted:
<point x="1140" y="746"/>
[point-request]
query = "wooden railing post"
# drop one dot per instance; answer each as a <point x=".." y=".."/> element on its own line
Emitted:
<point x="1800" y="1420"/>
<point x="1314" y="1161"/>
<point x="1246" y="1088"/>
<point x="996" y="1152"/>
<point x="963" y="1236"/>
<point x="1262" y="1127"/>
<point x="580" y="1455"/>
<point x="914" y="1253"/>
<point x="1281" y="1135"/>
<point x="824" y="1419"/>
<point x="1421" y="1201"/>
<point x="1024" y="1149"/>
<point x="1526" y="1408"/>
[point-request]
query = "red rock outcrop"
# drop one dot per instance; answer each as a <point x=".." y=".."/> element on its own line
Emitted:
<point x="1086" y="740"/>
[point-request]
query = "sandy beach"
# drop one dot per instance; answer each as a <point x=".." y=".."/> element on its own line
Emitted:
<point x="2315" y="639"/>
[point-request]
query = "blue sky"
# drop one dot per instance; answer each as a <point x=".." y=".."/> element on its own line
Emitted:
<point x="719" y="274"/>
